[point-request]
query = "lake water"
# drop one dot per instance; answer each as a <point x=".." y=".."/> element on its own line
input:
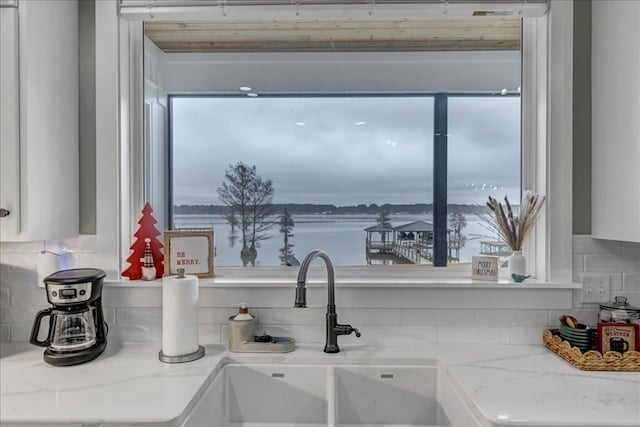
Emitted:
<point x="341" y="236"/>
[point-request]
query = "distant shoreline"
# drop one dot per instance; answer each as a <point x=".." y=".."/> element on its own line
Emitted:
<point x="329" y="209"/>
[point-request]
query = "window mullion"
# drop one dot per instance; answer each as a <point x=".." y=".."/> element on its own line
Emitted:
<point x="440" y="180"/>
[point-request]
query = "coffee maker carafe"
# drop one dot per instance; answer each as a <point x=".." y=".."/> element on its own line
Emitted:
<point x="77" y="330"/>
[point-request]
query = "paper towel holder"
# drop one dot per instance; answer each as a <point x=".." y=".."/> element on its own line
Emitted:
<point x="183" y="358"/>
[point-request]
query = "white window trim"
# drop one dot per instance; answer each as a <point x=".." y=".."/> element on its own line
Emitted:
<point x="547" y="141"/>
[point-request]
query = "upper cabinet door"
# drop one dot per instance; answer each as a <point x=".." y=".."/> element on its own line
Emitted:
<point x="9" y="123"/>
<point x="615" y="63"/>
<point x="40" y="109"/>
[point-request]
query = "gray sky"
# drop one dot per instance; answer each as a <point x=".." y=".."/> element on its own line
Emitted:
<point x="346" y="151"/>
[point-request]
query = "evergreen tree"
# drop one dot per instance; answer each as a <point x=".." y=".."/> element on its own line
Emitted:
<point x="286" y="227"/>
<point x="384" y="219"/>
<point x="457" y="222"/>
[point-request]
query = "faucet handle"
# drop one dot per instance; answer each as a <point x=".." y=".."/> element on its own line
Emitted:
<point x="346" y="330"/>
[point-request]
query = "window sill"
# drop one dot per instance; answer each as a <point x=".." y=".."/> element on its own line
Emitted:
<point x="358" y="277"/>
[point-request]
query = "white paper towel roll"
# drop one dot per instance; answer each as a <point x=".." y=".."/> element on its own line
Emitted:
<point x="179" y="315"/>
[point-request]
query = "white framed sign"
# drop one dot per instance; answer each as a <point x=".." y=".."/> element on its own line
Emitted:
<point x="191" y="250"/>
<point x="484" y="268"/>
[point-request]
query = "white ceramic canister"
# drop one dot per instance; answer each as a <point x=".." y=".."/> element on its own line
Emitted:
<point x="242" y="328"/>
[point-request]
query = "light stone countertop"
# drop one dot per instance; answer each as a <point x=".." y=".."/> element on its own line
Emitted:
<point x="509" y="385"/>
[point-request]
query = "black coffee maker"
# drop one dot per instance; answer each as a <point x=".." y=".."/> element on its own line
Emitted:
<point x="77" y="330"/>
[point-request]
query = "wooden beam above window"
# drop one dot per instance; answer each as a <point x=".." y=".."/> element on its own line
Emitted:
<point x="337" y="36"/>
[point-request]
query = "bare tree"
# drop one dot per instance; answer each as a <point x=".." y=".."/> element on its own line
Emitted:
<point x="249" y="199"/>
<point x="260" y="208"/>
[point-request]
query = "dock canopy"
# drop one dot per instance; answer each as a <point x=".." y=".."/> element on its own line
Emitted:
<point x="416" y="227"/>
<point x="378" y="229"/>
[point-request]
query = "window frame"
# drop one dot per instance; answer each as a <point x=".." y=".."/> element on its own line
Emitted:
<point x="546" y="136"/>
<point x="439" y="147"/>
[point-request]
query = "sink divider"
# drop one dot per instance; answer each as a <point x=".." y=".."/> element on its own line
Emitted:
<point x="331" y="396"/>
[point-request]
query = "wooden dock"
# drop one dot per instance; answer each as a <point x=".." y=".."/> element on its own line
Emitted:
<point x="495" y="248"/>
<point x="409" y="252"/>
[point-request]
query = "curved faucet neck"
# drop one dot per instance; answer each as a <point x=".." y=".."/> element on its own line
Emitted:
<point x="304" y="268"/>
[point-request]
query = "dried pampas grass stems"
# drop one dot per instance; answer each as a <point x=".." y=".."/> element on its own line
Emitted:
<point x="512" y="228"/>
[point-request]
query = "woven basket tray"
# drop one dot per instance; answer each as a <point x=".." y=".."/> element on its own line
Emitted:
<point x="591" y="360"/>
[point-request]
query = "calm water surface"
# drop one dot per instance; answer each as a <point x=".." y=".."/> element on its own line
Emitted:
<point x="341" y="236"/>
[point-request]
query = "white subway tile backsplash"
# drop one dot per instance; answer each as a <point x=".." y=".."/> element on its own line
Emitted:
<point x="631" y="282"/>
<point x="5" y="332"/>
<point x="384" y="335"/>
<point x="22" y="247"/>
<point x="577" y="266"/>
<point x="632" y="250"/>
<point x="293" y="316"/>
<point x="132" y="297"/>
<point x="370" y="316"/>
<point x="434" y="317"/>
<point x="220" y="315"/>
<point x="256" y="297"/>
<point x="109" y="314"/>
<point x="19" y="314"/>
<point x="301" y="333"/>
<point x="21" y="331"/>
<point x="585" y="244"/>
<point x="5" y="298"/>
<point x="511" y="317"/>
<point x="615" y="281"/>
<point x="22" y="262"/>
<point x="129" y="333"/>
<point x="18" y="279"/>
<point x="138" y="316"/>
<point x="207" y="334"/>
<point x="28" y="295"/>
<point x="588" y="316"/>
<point x="474" y="335"/>
<point x="610" y="263"/>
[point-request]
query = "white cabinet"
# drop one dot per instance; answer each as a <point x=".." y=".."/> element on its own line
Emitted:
<point x="39" y="119"/>
<point x="615" y="128"/>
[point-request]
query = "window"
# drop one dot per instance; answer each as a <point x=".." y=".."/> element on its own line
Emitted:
<point x="342" y="166"/>
<point x="546" y="128"/>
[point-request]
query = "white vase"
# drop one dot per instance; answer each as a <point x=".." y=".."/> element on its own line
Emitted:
<point x="517" y="264"/>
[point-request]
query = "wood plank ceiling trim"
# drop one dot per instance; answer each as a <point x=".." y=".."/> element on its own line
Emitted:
<point x="347" y="36"/>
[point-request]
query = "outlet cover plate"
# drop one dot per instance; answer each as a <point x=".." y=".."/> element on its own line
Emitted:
<point x="596" y="288"/>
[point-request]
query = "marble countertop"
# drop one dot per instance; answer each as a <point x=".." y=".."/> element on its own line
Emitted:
<point x="509" y="385"/>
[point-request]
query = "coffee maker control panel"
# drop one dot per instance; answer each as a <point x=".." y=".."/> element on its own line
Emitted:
<point x="68" y="294"/>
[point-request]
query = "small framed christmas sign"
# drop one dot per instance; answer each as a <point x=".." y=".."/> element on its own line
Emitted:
<point x="484" y="268"/>
<point x="191" y="250"/>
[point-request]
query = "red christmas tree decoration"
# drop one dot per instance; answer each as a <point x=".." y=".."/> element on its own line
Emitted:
<point x="136" y="260"/>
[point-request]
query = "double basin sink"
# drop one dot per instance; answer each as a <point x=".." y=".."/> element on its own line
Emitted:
<point x="330" y="395"/>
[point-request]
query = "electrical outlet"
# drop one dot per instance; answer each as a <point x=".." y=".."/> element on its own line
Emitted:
<point x="595" y="289"/>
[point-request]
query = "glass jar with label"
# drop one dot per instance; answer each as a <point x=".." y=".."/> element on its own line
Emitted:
<point x="619" y="311"/>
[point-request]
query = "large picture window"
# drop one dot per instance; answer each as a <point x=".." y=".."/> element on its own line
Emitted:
<point x="278" y="176"/>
